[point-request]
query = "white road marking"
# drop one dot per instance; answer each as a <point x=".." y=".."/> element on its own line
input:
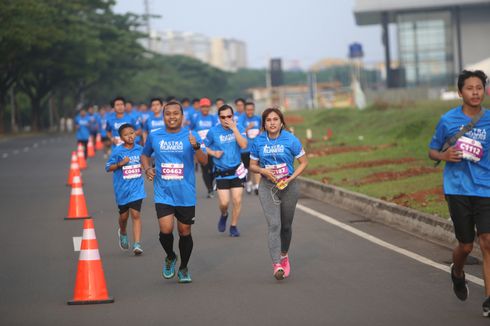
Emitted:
<point x="385" y="244"/>
<point x="77" y="243"/>
<point x="26" y="149"/>
<point x="35" y="145"/>
<point x="16" y="152"/>
<point x="5" y="155"/>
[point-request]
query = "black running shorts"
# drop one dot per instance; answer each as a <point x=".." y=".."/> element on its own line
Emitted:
<point x="229" y="183"/>
<point x="183" y="214"/>
<point x="136" y="205"/>
<point x="468" y="212"/>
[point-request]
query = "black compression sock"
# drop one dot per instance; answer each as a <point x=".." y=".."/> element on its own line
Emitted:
<point x="167" y="241"/>
<point x="185" y="247"/>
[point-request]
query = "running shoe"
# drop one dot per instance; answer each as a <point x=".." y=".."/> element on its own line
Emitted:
<point x="234" y="231"/>
<point x="123" y="240"/>
<point x="278" y="271"/>
<point x="168" y="270"/>
<point x="460" y="286"/>
<point x="285" y="265"/>
<point x="486" y="307"/>
<point x="248" y="187"/>
<point x="137" y="250"/>
<point x="256" y="190"/>
<point x="184" y="276"/>
<point x="222" y="223"/>
<point x="211" y="194"/>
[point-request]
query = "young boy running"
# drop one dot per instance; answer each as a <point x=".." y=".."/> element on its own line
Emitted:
<point x="128" y="186"/>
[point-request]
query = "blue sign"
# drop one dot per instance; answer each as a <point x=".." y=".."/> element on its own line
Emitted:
<point x="355" y="50"/>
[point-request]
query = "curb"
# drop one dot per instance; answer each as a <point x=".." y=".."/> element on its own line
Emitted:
<point x="429" y="227"/>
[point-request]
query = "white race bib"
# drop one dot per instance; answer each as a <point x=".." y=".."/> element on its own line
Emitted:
<point x="241" y="172"/>
<point x="203" y="133"/>
<point x="279" y="170"/>
<point x="131" y="171"/>
<point x="172" y="171"/>
<point x="252" y="133"/>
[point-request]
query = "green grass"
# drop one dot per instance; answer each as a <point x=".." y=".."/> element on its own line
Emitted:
<point x="400" y="133"/>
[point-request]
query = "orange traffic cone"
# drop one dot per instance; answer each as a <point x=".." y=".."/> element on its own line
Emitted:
<point x="90" y="285"/>
<point x="90" y="148"/>
<point x="74" y="169"/>
<point x="78" y="206"/>
<point x="98" y="143"/>
<point x="82" y="163"/>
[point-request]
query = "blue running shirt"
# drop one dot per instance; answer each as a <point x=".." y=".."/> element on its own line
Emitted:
<point x="221" y="139"/>
<point x="253" y="131"/>
<point x="201" y="124"/>
<point x="113" y="124"/>
<point x="174" y="182"/>
<point x="277" y="154"/>
<point x="153" y="123"/>
<point x="128" y="180"/>
<point x="83" y="132"/>
<point x="468" y="177"/>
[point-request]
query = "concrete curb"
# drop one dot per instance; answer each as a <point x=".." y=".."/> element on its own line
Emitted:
<point x="426" y="226"/>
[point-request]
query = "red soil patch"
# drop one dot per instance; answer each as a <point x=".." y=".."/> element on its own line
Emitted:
<point x="344" y="149"/>
<point x="359" y="165"/>
<point x="294" y="120"/>
<point x="395" y="175"/>
<point x="421" y="197"/>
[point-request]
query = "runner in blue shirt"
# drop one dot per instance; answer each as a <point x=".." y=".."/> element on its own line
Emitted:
<point x="174" y="185"/>
<point x="104" y="114"/>
<point x="155" y="120"/>
<point x="272" y="155"/>
<point x="467" y="178"/>
<point x="144" y="112"/>
<point x="202" y="123"/>
<point x="224" y="142"/>
<point x="239" y="110"/>
<point x="251" y="123"/>
<point x="133" y="112"/>
<point x="82" y="127"/>
<point x="117" y="119"/>
<point x="129" y="188"/>
<point x="93" y="122"/>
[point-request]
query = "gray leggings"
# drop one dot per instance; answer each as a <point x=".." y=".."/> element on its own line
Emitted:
<point x="279" y="213"/>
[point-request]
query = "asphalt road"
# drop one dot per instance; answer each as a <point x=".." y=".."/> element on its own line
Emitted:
<point x="337" y="277"/>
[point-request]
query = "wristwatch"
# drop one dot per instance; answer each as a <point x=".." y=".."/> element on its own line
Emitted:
<point x="197" y="146"/>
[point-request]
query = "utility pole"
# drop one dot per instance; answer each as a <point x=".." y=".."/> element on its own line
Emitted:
<point x="147" y="23"/>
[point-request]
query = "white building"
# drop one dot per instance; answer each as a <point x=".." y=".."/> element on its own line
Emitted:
<point x="225" y="54"/>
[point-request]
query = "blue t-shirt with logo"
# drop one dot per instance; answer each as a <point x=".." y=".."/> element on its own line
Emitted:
<point x="128" y="180"/>
<point x="203" y="123"/>
<point x="83" y="132"/>
<point x="277" y="154"/>
<point x="174" y="182"/>
<point x="467" y="178"/>
<point x="253" y="132"/>
<point x="103" y="124"/>
<point x="221" y="139"/>
<point x="153" y="123"/>
<point x="113" y="124"/>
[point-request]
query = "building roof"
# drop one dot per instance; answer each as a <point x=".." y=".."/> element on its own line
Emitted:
<point x="368" y="12"/>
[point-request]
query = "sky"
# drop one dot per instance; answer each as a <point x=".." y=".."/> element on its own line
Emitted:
<point x="302" y="31"/>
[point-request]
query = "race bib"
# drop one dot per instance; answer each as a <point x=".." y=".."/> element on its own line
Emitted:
<point x="172" y="171"/>
<point x="279" y="170"/>
<point x="131" y="171"/>
<point x="252" y="133"/>
<point x="203" y="133"/>
<point x="241" y="171"/>
<point x="472" y="149"/>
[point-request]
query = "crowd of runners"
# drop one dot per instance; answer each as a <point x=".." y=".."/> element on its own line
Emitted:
<point x="168" y="141"/>
<point x="237" y="149"/>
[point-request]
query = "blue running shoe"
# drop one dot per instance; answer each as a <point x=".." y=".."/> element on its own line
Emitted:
<point x="123" y="240"/>
<point x="184" y="276"/>
<point x="137" y="250"/>
<point x="234" y="231"/>
<point x="168" y="270"/>
<point x="222" y="223"/>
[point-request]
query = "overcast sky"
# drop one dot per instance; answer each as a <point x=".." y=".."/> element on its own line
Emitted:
<point x="304" y="31"/>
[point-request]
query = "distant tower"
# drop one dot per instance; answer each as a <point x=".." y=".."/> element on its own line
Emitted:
<point x="147" y="22"/>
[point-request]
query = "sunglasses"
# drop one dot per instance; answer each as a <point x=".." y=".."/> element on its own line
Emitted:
<point x="225" y="116"/>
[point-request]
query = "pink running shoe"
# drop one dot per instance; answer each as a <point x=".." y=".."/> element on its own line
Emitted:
<point x="285" y="265"/>
<point x="278" y="272"/>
